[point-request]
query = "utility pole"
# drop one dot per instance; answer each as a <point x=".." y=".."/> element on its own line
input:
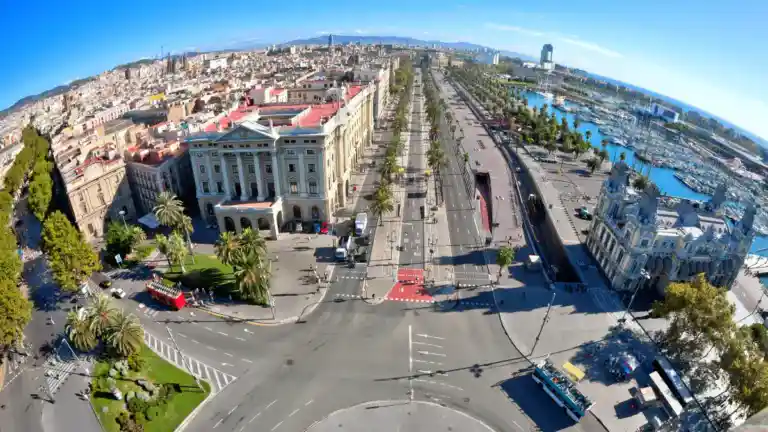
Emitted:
<point x="543" y="323"/>
<point x="176" y="346"/>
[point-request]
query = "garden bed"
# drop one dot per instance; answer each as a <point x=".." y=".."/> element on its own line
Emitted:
<point x="176" y="396"/>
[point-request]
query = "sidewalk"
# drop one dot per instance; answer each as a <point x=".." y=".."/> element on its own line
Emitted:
<point x="298" y="261"/>
<point x="385" y="255"/>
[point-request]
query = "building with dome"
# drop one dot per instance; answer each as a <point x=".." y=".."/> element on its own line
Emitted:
<point x="642" y="239"/>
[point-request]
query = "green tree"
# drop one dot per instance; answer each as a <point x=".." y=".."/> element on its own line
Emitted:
<point x="100" y="315"/>
<point x="15" y="313"/>
<point x="228" y="249"/>
<point x="466" y="157"/>
<point x="71" y="259"/>
<point x="126" y="336"/>
<point x="79" y="332"/>
<point x="252" y="243"/>
<point x="593" y="164"/>
<point x="382" y="203"/>
<point x="163" y="245"/>
<point x="640" y="182"/>
<point x="253" y="279"/>
<point x="40" y="195"/>
<point x="169" y="211"/>
<point x="122" y="239"/>
<point x="177" y="251"/>
<point x="504" y="258"/>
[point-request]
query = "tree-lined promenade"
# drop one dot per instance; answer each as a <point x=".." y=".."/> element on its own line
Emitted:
<point x="402" y="88"/>
<point x="531" y="126"/>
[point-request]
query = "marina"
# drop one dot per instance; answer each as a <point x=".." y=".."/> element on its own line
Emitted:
<point x="676" y="169"/>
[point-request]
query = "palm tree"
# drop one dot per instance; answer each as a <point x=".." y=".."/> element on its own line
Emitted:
<point x="252" y="242"/>
<point x="576" y="123"/>
<point x="100" y="315"/>
<point x="126" y="335"/>
<point x="168" y="209"/>
<point x="228" y="249"/>
<point x="253" y="279"/>
<point x="623" y="156"/>
<point x="588" y="135"/>
<point x="641" y="182"/>
<point x="164" y="246"/>
<point x="593" y="164"/>
<point x="177" y="250"/>
<point x="79" y="332"/>
<point x="603" y="154"/>
<point x="382" y="203"/>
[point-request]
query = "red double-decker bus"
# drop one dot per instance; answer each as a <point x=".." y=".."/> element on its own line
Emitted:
<point x="168" y="296"/>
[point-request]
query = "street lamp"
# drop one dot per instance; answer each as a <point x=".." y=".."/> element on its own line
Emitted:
<point x="643" y="274"/>
<point x="122" y="215"/>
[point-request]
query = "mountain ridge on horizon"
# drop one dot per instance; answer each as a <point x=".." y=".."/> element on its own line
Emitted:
<point x="395" y="40"/>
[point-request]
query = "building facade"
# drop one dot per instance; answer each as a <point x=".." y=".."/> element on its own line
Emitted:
<point x="153" y="171"/>
<point x="282" y="162"/>
<point x="642" y="240"/>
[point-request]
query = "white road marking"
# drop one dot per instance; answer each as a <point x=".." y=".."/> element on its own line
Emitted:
<point x="232" y="410"/>
<point x="210" y="348"/>
<point x="240" y="339"/>
<point x="247" y="331"/>
<point x="254" y="417"/>
<point x="437" y="383"/>
<point x="228" y="355"/>
<point x="218" y="423"/>
<point x="428" y="362"/>
<point x="277" y="426"/>
<point x="208" y="328"/>
<point x="194" y="341"/>
<point x="182" y="335"/>
<point x="428" y="336"/>
<point x="225" y="364"/>
<point x="430" y="353"/>
<point x="270" y="404"/>
<point x="223" y="334"/>
<point x="427" y="344"/>
<point x="247" y="361"/>
<point x="294" y="412"/>
<point x="309" y="402"/>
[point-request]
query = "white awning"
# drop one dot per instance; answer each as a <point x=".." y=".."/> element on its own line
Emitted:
<point x="149" y="220"/>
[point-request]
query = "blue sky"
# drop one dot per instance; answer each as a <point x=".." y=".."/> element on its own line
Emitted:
<point x="710" y="54"/>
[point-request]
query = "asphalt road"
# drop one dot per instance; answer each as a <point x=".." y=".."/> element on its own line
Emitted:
<point x="349" y="352"/>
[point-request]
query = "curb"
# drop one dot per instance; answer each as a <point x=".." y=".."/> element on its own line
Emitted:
<point x="269" y="323"/>
<point x="194" y="412"/>
<point x="394" y="401"/>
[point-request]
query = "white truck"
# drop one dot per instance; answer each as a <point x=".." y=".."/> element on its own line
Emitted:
<point x="344" y="248"/>
<point x="361" y="223"/>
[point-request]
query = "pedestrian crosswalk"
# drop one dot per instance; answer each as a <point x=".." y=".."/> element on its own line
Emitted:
<point x="216" y="378"/>
<point x="148" y="310"/>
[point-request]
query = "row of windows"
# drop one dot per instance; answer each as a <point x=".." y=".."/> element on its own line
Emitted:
<point x="293" y="187"/>
<point x="252" y="169"/>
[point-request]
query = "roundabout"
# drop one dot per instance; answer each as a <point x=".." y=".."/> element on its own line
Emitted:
<point x="400" y="415"/>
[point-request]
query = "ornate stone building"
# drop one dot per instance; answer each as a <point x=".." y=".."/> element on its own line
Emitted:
<point x="280" y="162"/>
<point x="641" y="238"/>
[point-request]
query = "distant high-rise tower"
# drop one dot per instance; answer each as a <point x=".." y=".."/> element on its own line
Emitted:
<point x="127" y="74"/>
<point x="546" y="53"/>
<point x="330" y="41"/>
<point x="546" y="57"/>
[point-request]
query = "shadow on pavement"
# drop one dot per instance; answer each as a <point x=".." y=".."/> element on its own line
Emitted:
<point x="535" y="403"/>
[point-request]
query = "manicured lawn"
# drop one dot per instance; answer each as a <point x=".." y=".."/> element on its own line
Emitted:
<point x="157" y="371"/>
<point x="207" y="272"/>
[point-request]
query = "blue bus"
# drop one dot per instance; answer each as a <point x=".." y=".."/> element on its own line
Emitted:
<point x="562" y="390"/>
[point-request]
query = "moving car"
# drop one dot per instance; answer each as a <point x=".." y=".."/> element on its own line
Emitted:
<point x="583" y="213"/>
<point x="105" y="283"/>
<point x="118" y="292"/>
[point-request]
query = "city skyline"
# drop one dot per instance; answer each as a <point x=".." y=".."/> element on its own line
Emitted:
<point x="704" y="57"/>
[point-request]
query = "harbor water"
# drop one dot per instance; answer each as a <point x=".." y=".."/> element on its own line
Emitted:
<point x="664" y="178"/>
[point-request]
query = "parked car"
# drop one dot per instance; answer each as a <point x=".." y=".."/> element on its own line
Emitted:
<point x="105" y="283"/>
<point x="324" y="228"/>
<point x="118" y="292"/>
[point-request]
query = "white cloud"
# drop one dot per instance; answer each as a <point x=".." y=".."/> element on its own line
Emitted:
<point x="359" y="31"/>
<point x="426" y="33"/>
<point x="515" y="29"/>
<point x="592" y="47"/>
<point x="554" y="37"/>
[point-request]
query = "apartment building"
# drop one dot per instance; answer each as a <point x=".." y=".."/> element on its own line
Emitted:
<point x="642" y="240"/>
<point x="157" y="167"/>
<point x="265" y="165"/>
<point x="93" y="178"/>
